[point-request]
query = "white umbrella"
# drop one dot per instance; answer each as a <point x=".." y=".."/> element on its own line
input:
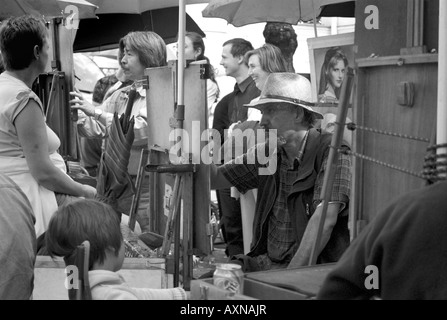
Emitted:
<point x="47" y="8"/>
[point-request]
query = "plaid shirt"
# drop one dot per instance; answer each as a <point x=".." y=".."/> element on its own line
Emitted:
<point x="281" y="242"/>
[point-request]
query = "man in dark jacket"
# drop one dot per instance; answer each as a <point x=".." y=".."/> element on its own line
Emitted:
<point x="400" y="255"/>
<point x="289" y="184"/>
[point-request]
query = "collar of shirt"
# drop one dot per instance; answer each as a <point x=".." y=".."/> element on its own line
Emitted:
<point x="298" y="159"/>
<point x="140" y="90"/>
<point x="243" y="85"/>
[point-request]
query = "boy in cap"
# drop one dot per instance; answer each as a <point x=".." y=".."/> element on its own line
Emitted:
<point x="288" y="207"/>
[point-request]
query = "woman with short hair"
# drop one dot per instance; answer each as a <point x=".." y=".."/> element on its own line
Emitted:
<point x="28" y="147"/>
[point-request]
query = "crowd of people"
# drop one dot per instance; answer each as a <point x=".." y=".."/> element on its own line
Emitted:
<point x="45" y="211"/>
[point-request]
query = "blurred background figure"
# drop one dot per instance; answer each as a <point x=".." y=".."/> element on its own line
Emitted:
<point x="195" y="50"/>
<point x="107" y="85"/>
<point x="284" y="37"/>
<point x="332" y="75"/>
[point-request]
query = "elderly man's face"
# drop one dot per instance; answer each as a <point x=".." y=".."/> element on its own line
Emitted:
<point x="278" y="116"/>
<point x="131" y="64"/>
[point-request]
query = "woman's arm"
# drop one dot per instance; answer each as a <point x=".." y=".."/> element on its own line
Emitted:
<point x="32" y="134"/>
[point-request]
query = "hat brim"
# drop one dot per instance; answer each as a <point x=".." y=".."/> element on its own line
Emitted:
<point x="262" y="102"/>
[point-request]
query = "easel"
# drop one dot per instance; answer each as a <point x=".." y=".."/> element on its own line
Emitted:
<point x="179" y="184"/>
<point x="54" y="88"/>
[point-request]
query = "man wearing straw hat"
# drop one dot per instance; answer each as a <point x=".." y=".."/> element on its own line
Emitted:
<point x="289" y="206"/>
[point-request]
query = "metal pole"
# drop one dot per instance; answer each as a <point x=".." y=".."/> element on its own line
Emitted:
<point x="329" y="174"/>
<point x="315" y="20"/>
<point x="181" y="52"/>
<point x="180" y="109"/>
<point x="441" y="136"/>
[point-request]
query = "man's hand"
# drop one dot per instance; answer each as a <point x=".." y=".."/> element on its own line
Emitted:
<point x="79" y="103"/>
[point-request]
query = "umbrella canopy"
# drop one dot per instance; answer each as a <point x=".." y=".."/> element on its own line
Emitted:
<point x="337" y="8"/>
<point x="108" y="29"/>
<point x="137" y="6"/>
<point x="47" y="8"/>
<point x="243" y="12"/>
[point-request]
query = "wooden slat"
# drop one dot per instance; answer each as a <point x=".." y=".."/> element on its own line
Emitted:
<point x="129" y="263"/>
<point x="380" y="110"/>
<point x="396" y="60"/>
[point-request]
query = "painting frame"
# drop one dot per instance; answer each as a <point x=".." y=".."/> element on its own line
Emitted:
<point x="327" y="103"/>
<point x="317" y="49"/>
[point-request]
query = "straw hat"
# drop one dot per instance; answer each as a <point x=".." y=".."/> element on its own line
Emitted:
<point x="286" y="87"/>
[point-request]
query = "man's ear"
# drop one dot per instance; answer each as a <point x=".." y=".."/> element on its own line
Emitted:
<point x="36" y="51"/>
<point x="299" y="115"/>
<point x="198" y="52"/>
<point x="240" y="60"/>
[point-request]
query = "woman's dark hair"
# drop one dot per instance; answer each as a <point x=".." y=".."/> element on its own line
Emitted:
<point x="197" y="43"/>
<point x="331" y="58"/>
<point x="80" y="220"/>
<point x="18" y="37"/>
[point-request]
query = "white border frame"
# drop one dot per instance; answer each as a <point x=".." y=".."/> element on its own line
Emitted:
<point x="344" y="39"/>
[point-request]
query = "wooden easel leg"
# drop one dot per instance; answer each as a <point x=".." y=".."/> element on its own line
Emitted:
<point x="138" y="183"/>
<point x="173" y="211"/>
<point x="177" y="248"/>
<point x="187" y="231"/>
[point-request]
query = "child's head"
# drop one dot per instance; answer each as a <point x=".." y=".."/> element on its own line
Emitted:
<point x="91" y="220"/>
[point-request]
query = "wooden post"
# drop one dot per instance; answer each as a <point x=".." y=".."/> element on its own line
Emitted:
<point x="415" y="28"/>
<point x="329" y="174"/>
<point x="62" y="39"/>
<point x="441" y="136"/>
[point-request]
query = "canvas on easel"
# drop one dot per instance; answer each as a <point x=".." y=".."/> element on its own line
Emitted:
<point x="161" y="117"/>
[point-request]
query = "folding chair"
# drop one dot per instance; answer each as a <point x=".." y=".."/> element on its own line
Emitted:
<point x="80" y="260"/>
